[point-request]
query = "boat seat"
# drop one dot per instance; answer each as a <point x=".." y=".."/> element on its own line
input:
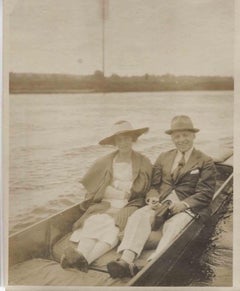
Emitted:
<point x="38" y="271"/>
<point x="43" y="272"/>
<point x="63" y="243"/>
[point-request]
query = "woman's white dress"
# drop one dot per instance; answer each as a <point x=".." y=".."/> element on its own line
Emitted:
<point x="102" y="226"/>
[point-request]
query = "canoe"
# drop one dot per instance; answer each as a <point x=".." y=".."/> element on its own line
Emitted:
<point x="34" y="252"/>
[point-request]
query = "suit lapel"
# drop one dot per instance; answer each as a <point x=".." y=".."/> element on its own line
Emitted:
<point x="191" y="163"/>
<point x="135" y="165"/>
<point x="169" y="162"/>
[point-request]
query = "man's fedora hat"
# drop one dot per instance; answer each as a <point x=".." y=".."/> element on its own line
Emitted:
<point x="180" y="123"/>
<point x="123" y="127"/>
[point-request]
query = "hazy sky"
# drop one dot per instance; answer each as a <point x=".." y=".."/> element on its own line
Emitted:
<point x="154" y="36"/>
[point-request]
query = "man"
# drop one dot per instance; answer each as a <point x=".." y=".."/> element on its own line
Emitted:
<point x="186" y="177"/>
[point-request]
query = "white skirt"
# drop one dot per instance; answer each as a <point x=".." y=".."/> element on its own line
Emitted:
<point x="100" y="227"/>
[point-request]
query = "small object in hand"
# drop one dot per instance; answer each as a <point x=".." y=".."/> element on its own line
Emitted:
<point x="153" y="202"/>
<point x="152" y="199"/>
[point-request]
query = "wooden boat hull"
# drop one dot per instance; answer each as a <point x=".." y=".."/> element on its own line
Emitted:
<point x="37" y="241"/>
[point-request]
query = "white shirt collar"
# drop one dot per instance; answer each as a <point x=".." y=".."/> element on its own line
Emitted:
<point x="179" y="156"/>
<point x="187" y="154"/>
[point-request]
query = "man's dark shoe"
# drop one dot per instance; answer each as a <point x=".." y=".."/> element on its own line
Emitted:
<point x="120" y="269"/>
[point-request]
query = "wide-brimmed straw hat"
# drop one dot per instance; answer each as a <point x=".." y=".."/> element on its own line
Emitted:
<point x="123" y="127"/>
<point x="180" y="123"/>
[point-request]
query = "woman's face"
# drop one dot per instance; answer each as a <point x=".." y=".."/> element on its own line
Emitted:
<point x="124" y="143"/>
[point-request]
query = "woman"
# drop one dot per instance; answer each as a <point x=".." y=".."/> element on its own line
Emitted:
<point x="116" y="186"/>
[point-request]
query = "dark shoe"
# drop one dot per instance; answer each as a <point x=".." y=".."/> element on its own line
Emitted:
<point x="72" y="258"/>
<point x="81" y="263"/>
<point x="64" y="262"/>
<point x="120" y="269"/>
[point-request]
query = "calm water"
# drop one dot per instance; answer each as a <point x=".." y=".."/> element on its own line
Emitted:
<point x="54" y="139"/>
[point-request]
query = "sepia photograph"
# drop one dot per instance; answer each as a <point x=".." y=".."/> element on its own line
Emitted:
<point x="120" y="142"/>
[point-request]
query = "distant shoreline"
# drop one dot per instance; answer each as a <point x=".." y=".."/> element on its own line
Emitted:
<point x="106" y="92"/>
<point x="31" y="83"/>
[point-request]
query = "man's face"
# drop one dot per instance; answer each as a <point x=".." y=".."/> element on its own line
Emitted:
<point x="183" y="140"/>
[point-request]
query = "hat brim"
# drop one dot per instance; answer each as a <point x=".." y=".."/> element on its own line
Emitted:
<point x="110" y="140"/>
<point x="170" y="131"/>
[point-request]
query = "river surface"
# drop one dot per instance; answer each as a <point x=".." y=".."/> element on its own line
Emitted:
<point x="54" y="139"/>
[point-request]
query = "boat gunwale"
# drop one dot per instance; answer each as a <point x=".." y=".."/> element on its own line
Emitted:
<point x="47" y="219"/>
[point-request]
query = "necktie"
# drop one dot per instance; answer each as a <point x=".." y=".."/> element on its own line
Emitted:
<point x="181" y="164"/>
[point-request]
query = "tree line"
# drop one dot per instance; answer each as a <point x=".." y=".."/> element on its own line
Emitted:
<point x="97" y="82"/>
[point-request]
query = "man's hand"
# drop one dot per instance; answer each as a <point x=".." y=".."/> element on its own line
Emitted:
<point x="177" y="207"/>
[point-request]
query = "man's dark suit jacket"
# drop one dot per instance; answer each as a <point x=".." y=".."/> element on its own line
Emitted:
<point x="195" y="183"/>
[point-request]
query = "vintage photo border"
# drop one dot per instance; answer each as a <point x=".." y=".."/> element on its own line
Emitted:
<point x="236" y="213"/>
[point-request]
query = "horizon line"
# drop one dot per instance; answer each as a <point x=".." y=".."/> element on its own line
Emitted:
<point x="150" y="74"/>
